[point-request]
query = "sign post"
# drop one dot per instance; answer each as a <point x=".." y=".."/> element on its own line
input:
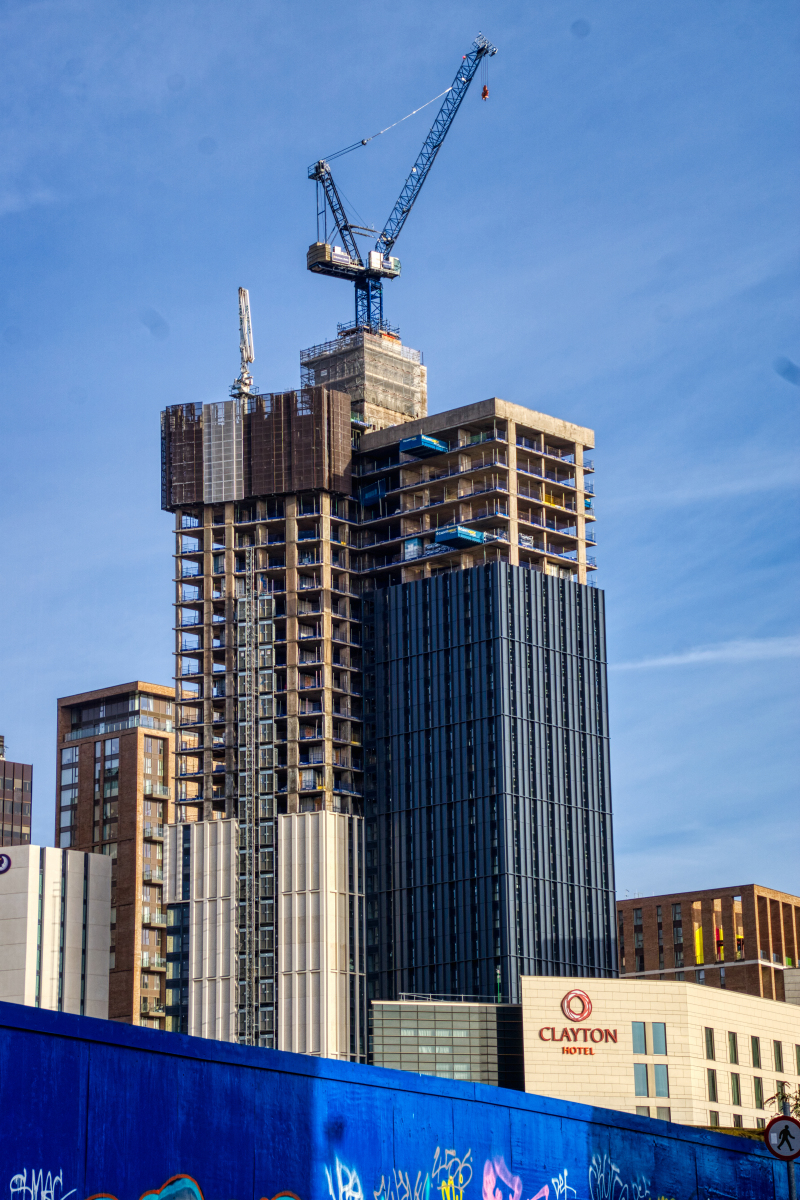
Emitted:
<point x="782" y="1136"/>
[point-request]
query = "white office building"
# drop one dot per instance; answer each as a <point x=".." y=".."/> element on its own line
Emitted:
<point x="55" y="921"/>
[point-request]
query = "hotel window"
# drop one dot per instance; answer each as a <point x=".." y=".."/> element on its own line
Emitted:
<point x="760" y="1123"/>
<point x="710" y="1043"/>
<point x="664" y="1114"/>
<point x="640" y="1079"/>
<point x="755" y="1051"/>
<point x="659" y="1038"/>
<point x="797" y="1060"/>
<point x="713" y="1118"/>
<point x="736" y="1089"/>
<point x="713" y="1094"/>
<point x="661" y="1079"/>
<point x="642" y="1110"/>
<point x="777" y="1054"/>
<point x="733" y="1048"/>
<point x="758" y="1092"/>
<point x="639" y="1042"/>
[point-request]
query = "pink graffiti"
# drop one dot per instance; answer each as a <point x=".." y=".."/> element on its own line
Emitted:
<point x="492" y="1171"/>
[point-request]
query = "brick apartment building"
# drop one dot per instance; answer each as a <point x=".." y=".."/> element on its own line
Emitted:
<point x="115" y="765"/>
<point x="16" y="782"/>
<point x="741" y="938"/>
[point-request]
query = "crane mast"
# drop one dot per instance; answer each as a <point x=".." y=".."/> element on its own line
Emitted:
<point x="345" y="262"/>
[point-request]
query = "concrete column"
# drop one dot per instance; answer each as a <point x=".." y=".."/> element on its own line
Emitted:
<point x="513" y="524"/>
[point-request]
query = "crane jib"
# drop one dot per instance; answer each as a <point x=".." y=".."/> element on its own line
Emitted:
<point x="348" y="263"/>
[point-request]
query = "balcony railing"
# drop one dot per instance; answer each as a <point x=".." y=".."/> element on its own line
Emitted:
<point x="152" y="873"/>
<point x="154" y="831"/>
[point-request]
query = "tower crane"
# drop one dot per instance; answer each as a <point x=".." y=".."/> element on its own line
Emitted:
<point x="345" y="261"/>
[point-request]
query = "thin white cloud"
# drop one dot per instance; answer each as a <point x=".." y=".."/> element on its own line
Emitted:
<point x="742" y="650"/>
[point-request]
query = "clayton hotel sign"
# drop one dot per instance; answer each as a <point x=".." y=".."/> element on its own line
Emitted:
<point x="577" y="1007"/>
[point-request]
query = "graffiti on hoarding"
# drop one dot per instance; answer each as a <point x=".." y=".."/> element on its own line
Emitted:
<point x="449" y="1175"/>
<point x="348" y="1184"/>
<point x="40" y="1186"/>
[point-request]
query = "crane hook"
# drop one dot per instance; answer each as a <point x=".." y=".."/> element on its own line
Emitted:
<point x="484" y="92"/>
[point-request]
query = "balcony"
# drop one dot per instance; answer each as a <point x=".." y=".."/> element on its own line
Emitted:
<point x="154" y="832"/>
<point x="154" y="917"/>
<point x="153" y="962"/>
<point x="152" y="874"/>
<point x="151" y="788"/>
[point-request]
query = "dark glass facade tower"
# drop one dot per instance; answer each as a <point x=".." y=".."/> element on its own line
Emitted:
<point x="488" y="830"/>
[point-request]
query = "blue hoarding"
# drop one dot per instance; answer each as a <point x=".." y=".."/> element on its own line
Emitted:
<point x="94" y="1109"/>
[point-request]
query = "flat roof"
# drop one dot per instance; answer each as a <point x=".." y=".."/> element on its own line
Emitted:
<point x="469" y="413"/>
<point x="136" y="685"/>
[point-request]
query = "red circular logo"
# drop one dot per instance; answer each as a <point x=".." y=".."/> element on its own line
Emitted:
<point x="576" y="1005"/>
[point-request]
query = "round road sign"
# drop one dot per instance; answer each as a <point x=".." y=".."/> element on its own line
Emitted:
<point x="782" y="1136"/>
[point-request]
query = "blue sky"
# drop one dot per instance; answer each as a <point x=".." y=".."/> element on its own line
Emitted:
<point x="612" y="238"/>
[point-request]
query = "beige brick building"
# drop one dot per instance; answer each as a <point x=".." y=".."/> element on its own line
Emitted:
<point x="695" y="1055"/>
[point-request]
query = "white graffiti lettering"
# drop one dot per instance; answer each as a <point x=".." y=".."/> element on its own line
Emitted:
<point x="41" y="1186"/>
<point x="605" y="1182"/>
<point x="561" y="1188"/>
<point x="348" y="1184"/>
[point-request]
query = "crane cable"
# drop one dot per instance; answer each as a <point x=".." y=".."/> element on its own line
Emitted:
<point x="364" y="141"/>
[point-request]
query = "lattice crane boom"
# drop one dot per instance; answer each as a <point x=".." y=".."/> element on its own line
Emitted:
<point x="481" y="48"/>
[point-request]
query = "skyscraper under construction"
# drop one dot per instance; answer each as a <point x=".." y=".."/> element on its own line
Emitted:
<point x="391" y="672"/>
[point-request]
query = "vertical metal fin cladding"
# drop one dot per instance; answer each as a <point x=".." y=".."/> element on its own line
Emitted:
<point x="250" y="842"/>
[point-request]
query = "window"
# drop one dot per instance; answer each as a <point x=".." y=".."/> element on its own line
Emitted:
<point x="738" y="1123"/>
<point x="755" y="1051"/>
<point x="638" y="941"/>
<point x="642" y="1110"/>
<point x="637" y="916"/>
<point x="700" y="977"/>
<point x="710" y="1043"/>
<point x="658" y="913"/>
<point x="678" y="958"/>
<point x="69" y="775"/>
<point x="98" y="749"/>
<point x="659" y="1038"/>
<point x="661" y="1079"/>
<point x="733" y="1048"/>
<point x="760" y="1123"/>
<point x="736" y="1089"/>
<point x="664" y="1114"/>
<point x="713" y="1118"/>
<point x="640" y="1079"/>
<point x="713" y="1094"/>
<point x="112" y="746"/>
<point x="676" y="912"/>
<point x="66" y="818"/>
<point x="797" y="1060"/>
<point x="777" y="1054"/>
<point x="758" y="1092"/>
<point x="639" y="1042"/>
<point x="677" y="935"/>
<point x="69" y="756"/>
